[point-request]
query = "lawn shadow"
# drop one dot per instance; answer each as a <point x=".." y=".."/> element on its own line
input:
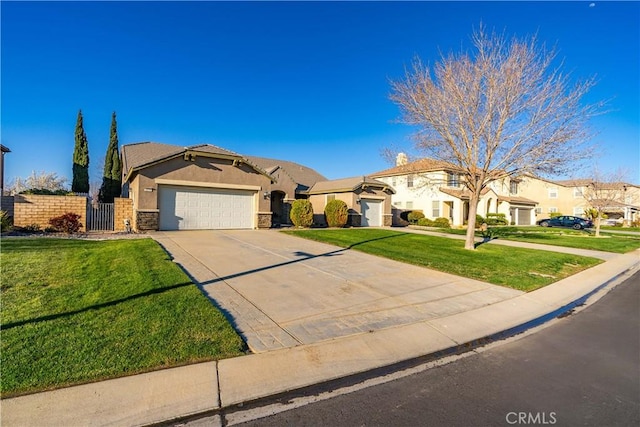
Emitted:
<point x="93" y="307"/>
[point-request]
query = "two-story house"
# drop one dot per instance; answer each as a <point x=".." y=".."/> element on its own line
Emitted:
<point x="437" y="189"/>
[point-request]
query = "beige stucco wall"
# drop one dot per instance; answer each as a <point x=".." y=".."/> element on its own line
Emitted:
<point x="319" y="202"/>
<point x="204" y="171"/>
<point x="539" y="190"/>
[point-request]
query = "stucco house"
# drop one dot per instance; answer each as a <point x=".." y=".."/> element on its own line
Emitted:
<point x="368" y="200"/>
<point x="436" y="188"/>
<point x="209" y="187"/>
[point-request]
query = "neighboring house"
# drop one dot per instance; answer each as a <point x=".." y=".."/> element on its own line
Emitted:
<point x="3" y="150"/>
<point x="437" y="189"/>
<point x="368" y="200"/>
<point x="208" y="187"/>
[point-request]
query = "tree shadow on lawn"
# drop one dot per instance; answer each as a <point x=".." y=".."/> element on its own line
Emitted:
<point x="93" y="307"/>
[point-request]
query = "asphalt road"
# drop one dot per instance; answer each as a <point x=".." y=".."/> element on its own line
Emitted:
<point x="581" y="370"/>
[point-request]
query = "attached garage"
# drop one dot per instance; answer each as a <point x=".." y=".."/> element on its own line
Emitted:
<point x="201" y="208"/>
<point x="371" y="213"/>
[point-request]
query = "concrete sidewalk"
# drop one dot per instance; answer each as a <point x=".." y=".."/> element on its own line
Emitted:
<point x="181" y="392"/>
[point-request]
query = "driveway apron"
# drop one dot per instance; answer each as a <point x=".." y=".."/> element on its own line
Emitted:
<point x="282" y="291"/>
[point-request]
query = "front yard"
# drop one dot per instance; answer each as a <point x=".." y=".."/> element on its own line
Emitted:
<point x="517" y="268"/>
<point x="76" y="311"/>
<point x="580" y="239"/>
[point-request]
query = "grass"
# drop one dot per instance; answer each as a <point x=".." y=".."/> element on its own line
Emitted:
<point x="517" y="268"/>
<point x="77" y="311"/>
<point x="566" y="237"/>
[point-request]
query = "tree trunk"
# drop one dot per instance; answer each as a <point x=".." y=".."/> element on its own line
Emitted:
<point x="598" y="223"/>
<point x="470" y="242"/>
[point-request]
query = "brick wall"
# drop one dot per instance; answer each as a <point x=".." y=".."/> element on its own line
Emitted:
<point x="31" y="209"/>
<point x="123" y="209"/>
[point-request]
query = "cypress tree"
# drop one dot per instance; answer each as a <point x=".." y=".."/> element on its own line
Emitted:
<point x="112" y="174"/>
<point x="80" y="182"/>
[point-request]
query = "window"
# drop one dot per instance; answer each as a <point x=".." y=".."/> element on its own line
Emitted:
<point x="553" y="210"/>
<point x="393" y="181"/>
<point x="409" y="205"/>
<point x="453" y="180"/>
<point x="409" y="181"/>
<point x="577" y="193"/>
<point x="538" y="211"/>
<point x="553" y="193"/>
<point x="435" y="208"/>
<point x="330" y="197"/>
<point x="398" y="204"/>
<point x="513" y="187"/>
<point x="578" y="211"/>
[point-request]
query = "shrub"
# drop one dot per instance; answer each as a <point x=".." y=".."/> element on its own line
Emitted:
<point x="301" y="213"/>
<point x="414" y="216"/>
<point x="425" y="222"/>
<point x="67" y="223"/>
<point x="336" y="213"/>
<point x="554" y="214"/>
<point x="46" y="192"/>
<point x="5" y="221"/>
<point x="479" y="220"/>
<point x="441" y="223"/>
<point x="31" y="228"/>
<point x="496" y="219"/>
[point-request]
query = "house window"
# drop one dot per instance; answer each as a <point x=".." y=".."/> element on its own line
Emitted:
<point x="538" y="211"/>
<point x="409" y="181"/>
<point x="578" y="211"/>
<point x="553" y="193"/>
<point x="435" y="208"/>
<point x="553" y="210"/>
<point x="513" y="187"/>
<point x="393" y="181"/>
<point x="409" y="205"/>
<point x="330" y="197"/>
<point x="453" y="180"/>
<point x="399" y="204"/>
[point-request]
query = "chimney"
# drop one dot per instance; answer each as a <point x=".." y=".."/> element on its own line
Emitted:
<point x="401" y="159"/>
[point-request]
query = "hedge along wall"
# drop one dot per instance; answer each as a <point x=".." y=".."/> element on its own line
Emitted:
<point x="31" y="209"/>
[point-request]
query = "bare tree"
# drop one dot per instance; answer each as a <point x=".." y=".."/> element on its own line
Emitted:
<point x="605" y="193"/>
<point x="38" y="181"/>
<point x="499" y="112"/>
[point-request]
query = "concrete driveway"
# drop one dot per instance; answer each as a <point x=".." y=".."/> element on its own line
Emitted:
<point x="282" y="291"/>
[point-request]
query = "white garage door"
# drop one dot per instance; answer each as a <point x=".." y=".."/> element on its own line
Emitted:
<point x="371" y="213"/>
<point x="196" y="208"/>
<point x="524" y="216"/>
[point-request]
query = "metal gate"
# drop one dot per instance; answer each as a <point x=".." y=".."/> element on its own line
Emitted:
<point x="100" y="217"/>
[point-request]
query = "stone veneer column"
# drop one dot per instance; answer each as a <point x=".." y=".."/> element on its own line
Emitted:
<point x="147" y="220"/>
<point x="264" y="219"/>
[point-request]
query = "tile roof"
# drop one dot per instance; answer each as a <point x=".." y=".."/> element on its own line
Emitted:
<point x="346" y="184"/>
<point x="302" y="175"/>
<point x="142" y="153"/>
<point x="461" y="194"/>
<point x="517" y="200"/>
<point x="422" y="165"/>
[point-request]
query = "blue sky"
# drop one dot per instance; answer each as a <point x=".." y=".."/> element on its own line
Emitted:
<point x="302" y="81"/>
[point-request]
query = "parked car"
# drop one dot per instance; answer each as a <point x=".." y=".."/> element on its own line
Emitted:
<point x="574" y="222"/>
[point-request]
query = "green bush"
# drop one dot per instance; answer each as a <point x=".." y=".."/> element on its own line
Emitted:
<point x="479" y="220"/>
<point x="414" y="216"/>
<point x="555" y="214"/>
<point x="496" y="219"/>
<point x="46" y="192"/>
<point x="31" y="228"/>
<point x="301" y="213"/>
<point x="336" y="213"/>
<point x="67" y="223"/>
<point x="441" y="223"/>
<point x="5" y="221"/>
<point x="425" y="222"/>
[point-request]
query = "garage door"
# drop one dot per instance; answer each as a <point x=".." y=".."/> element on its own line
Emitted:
<point x="371" y="213"/>
<point x="195" y="208"/>
<point x="524" y="216"/>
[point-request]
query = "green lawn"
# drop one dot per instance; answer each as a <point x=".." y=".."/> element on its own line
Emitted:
<point x="517" y="268"/>
<point x="581" y="239"/>
<point x="77" y="311"/>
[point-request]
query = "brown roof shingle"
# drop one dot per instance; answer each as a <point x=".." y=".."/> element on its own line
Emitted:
<point x="419" y="166"/>
<point x="304" y="176"/>
<point x="346" y="184"/>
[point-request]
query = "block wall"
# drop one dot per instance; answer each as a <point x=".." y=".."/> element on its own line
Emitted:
<point x="31" y="209"/>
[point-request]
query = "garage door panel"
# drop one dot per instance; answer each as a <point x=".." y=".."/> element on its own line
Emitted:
<point x="191" y="208"/>
<point x="371" y="213"/>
